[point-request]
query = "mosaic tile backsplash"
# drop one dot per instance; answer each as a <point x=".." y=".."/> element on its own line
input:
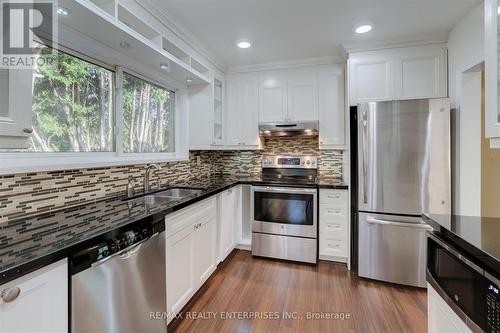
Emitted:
<point x="29" y="193"/>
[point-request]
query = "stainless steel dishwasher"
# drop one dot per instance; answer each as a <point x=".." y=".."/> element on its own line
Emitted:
<point x="118" y="283"/>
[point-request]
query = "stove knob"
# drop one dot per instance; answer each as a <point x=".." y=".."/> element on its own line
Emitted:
<point x="308" y="162"/>
<point x="113" y="247"/>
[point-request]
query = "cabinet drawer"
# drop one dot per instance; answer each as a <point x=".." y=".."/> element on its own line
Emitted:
<point x="186" y="217"/>
<point x="333" y="197"/>
<point x="337" y="228"/>
<point x="330" y="245"/>
<point x="332" y="211"/>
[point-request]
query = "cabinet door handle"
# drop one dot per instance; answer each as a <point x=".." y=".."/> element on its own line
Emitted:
<point x="10" y="294"/>
<point x="28" y="130"/>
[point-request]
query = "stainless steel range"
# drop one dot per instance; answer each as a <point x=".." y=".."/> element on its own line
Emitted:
<point x="284" y="210"/>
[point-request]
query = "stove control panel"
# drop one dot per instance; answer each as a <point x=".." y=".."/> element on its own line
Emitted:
<point x="300" y="162"/>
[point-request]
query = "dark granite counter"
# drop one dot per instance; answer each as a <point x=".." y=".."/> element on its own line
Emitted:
<point x="29" y="243"/>
<point x="477" y="237"/>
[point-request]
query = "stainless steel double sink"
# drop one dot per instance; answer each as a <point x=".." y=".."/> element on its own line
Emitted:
<point x="166" y="196"/>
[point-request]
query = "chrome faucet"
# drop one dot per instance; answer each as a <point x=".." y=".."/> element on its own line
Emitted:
<point x="146" y="176"/>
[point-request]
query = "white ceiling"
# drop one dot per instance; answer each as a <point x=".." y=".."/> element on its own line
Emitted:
<point x="294" y="29"/>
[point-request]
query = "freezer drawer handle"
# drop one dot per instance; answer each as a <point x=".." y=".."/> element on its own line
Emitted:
<point x="372" y="220"/>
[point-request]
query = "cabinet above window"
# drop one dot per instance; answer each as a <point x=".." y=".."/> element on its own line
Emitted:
<point x="116" y="25"/>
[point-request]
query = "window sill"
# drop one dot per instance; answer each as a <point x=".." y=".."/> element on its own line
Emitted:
<point x="13" y="163"/>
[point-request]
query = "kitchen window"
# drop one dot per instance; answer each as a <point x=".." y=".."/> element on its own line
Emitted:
<point x="148" y="115"/>
<point x="83" y="113"/>
<point x="73" y="106"/>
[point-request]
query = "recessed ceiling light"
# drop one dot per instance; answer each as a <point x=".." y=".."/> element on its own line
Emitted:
<point x="244" y="45"/>
<point x="498" y="10"/>
<point x="165" y="67"/>
<point x="363" y="29"/>
<point x="124" y="45"/>
<point x="62" y="11"/>
<point x="189" y="80"/>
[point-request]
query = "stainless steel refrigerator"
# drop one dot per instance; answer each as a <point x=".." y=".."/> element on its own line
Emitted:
<point x="403" y="162"/>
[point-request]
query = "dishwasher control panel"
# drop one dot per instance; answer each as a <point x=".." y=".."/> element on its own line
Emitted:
<point x="106" y="247"/>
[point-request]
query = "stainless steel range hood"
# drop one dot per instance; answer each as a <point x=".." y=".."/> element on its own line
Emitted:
<point x="286" y="129"/>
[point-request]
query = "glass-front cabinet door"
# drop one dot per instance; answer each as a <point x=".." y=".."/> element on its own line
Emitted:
<point x="492" y="71"/>
<point x="218" y="124"/>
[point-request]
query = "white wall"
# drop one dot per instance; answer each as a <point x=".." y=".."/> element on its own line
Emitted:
<point x="465" y="52"/>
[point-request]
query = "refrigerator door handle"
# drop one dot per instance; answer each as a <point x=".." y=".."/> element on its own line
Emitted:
<point x="421" y="226"/>
<point x="365" y="156"/>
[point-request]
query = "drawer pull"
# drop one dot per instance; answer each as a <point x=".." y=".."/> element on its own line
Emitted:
<point x="10" y="294"/>
<point x="335" y="226"/>
<point x="333" y="211"/>
<point x="334" y="196"/>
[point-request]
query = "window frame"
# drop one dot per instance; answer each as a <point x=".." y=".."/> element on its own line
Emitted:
<point x="119" y="139"/>
<point x="25" y="162"/>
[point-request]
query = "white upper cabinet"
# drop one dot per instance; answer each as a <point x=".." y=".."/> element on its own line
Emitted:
<point x="15" y="108"/>
<point x="41" y="304"/>
<point x="398" y="74"/>
<point x="423" y="72"/>
<point x="332" y="108"/>
<point x="302" y="95"/>
<point x="242" y="112"/>
<point x="370" y="78"/>
<point x="288" y="95"/>
<point x="273" y="96"/>
<point x="492" y="72"/>
<point x="207" y="114"/>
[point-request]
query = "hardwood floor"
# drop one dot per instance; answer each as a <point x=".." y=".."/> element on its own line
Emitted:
<point x="247" y="286"/>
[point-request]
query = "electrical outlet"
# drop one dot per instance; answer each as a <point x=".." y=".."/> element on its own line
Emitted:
<point x="198" y="160"/>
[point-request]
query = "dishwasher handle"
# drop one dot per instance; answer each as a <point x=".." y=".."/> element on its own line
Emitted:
<point x="125" y="253"/>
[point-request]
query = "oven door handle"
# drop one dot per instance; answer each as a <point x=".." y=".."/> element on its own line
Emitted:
<point x="291" y="190"/>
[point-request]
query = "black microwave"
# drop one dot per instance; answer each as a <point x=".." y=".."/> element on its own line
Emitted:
<point x="472" y="292"/>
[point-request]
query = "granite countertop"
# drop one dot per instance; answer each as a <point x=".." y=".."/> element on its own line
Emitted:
<point x="32" y="242"/>
<point x="479" y="237"/>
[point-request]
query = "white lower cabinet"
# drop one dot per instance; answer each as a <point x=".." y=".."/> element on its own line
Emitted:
<point x="333" y="225"/>
<point x="440" y="317"/>
<point x="204" y="245"/>
<point x="228" y="221"/>
<point x="41" y="304"/>
<point x="190" y="252"/>
<point x="179" y="257"/>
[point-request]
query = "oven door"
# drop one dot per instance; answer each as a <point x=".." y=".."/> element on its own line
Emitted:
<point x="284" y="211"/>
